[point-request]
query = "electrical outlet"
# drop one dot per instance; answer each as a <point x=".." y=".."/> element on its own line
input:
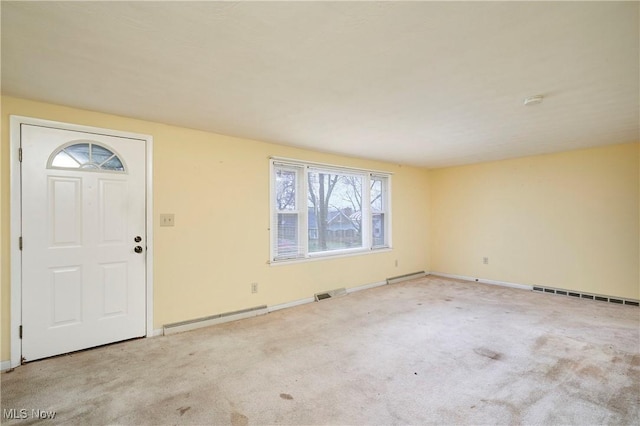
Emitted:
<point x="396" y="263"/>
<point x="167" y="219"/>
<point x="485" y="260"/>
<point x="254" y="287"/>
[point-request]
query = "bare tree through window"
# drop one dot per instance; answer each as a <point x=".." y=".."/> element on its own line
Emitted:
<point x="335" y="219"/>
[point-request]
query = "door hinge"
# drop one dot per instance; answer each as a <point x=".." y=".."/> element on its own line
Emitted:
<point x="20" y="243"/>
<point x="20" y="155"/>
<point x="20" y="331"/>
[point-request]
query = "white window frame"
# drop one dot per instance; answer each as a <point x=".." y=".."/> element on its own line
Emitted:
<point x="302" y="169"/>
<point x="79" y="166"/>
<point x="386" y="208"/>
<point x="300" y="208"/>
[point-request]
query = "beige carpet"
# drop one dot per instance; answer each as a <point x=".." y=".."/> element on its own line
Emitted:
<point x="428" y="351"/>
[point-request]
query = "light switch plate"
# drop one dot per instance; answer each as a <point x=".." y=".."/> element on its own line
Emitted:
<point x="167" y="219"/>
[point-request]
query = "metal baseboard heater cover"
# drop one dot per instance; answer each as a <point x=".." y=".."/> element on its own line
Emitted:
<point x="588" y="296"/>
<point x="406" y="277"/>
<point x="330" y="294"/>
<point x="179" y="327"/>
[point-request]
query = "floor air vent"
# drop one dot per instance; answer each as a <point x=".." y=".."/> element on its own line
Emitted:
<point x="330" y="294"/>
<point x="587" y="296"/>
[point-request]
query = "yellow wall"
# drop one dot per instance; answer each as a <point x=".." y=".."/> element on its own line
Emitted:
<point x="218" y="188"/>
<point x="567" y="220"/>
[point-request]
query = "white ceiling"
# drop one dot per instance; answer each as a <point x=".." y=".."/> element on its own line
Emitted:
<point x="423" y="83"/>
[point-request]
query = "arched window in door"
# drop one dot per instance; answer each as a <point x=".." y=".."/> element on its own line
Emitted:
<point x="86" y="155"/>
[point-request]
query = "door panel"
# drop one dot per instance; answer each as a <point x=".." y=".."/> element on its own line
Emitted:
<point x="112" y="201"/>
<point x="83" y="285"/>
<point x="115" y="287"/>
<point x="65" y="211"/>
<point x="66" y="295"/>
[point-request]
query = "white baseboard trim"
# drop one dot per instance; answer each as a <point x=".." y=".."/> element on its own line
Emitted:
<point x="291" y="304"/>
<point x="483" y="281"/>
<point x="5" y="365"/>
<point x="157" y="332"/>
<point x="217" y="319"/>
<point x="312" y="299"/>
<point x="205" y="322"/>
<point x="366" y="286"/>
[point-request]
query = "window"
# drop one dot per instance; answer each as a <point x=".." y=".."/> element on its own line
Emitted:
<point x="87" y="156"/>
<point x="320" y="210"/>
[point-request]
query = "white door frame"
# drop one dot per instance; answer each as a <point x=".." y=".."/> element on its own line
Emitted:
<point x="16" y="220"/>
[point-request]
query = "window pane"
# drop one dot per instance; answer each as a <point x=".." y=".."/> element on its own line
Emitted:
<point x="113" y="164"/>
<point x="100" y="154"/>
<point x="377" y="229"/>
<point x="62" y="159"/>
<point x="287" y="244"/>
<point x="285" y="190"/>
<point x="87" y="156"/>
<point x="79" y="151"/>
<point x="376" y="195"/>
<point x="334" y="211"/>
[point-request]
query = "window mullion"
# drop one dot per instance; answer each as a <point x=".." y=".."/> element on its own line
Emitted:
<point x="366" y="212"/>
<point x="387" y="209"/>
<point x="303" y="229"/>
<point x="273" y="237"/>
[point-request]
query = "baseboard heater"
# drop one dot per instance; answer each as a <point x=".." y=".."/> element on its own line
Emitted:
<point x="329" y="294"/>
<point x="406" y="277"/>
<point x="179" y="327"/>
<point x="588" y="296"/>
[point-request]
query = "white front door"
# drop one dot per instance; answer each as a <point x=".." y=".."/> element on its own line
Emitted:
<point x="83" y="229"/>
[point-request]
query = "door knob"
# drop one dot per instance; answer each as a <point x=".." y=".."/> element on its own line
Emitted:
<point x="137" y="239"/>
<point x="138" y="249"/>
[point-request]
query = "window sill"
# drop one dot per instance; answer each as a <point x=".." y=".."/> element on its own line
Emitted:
<point x="313" y="258"/>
